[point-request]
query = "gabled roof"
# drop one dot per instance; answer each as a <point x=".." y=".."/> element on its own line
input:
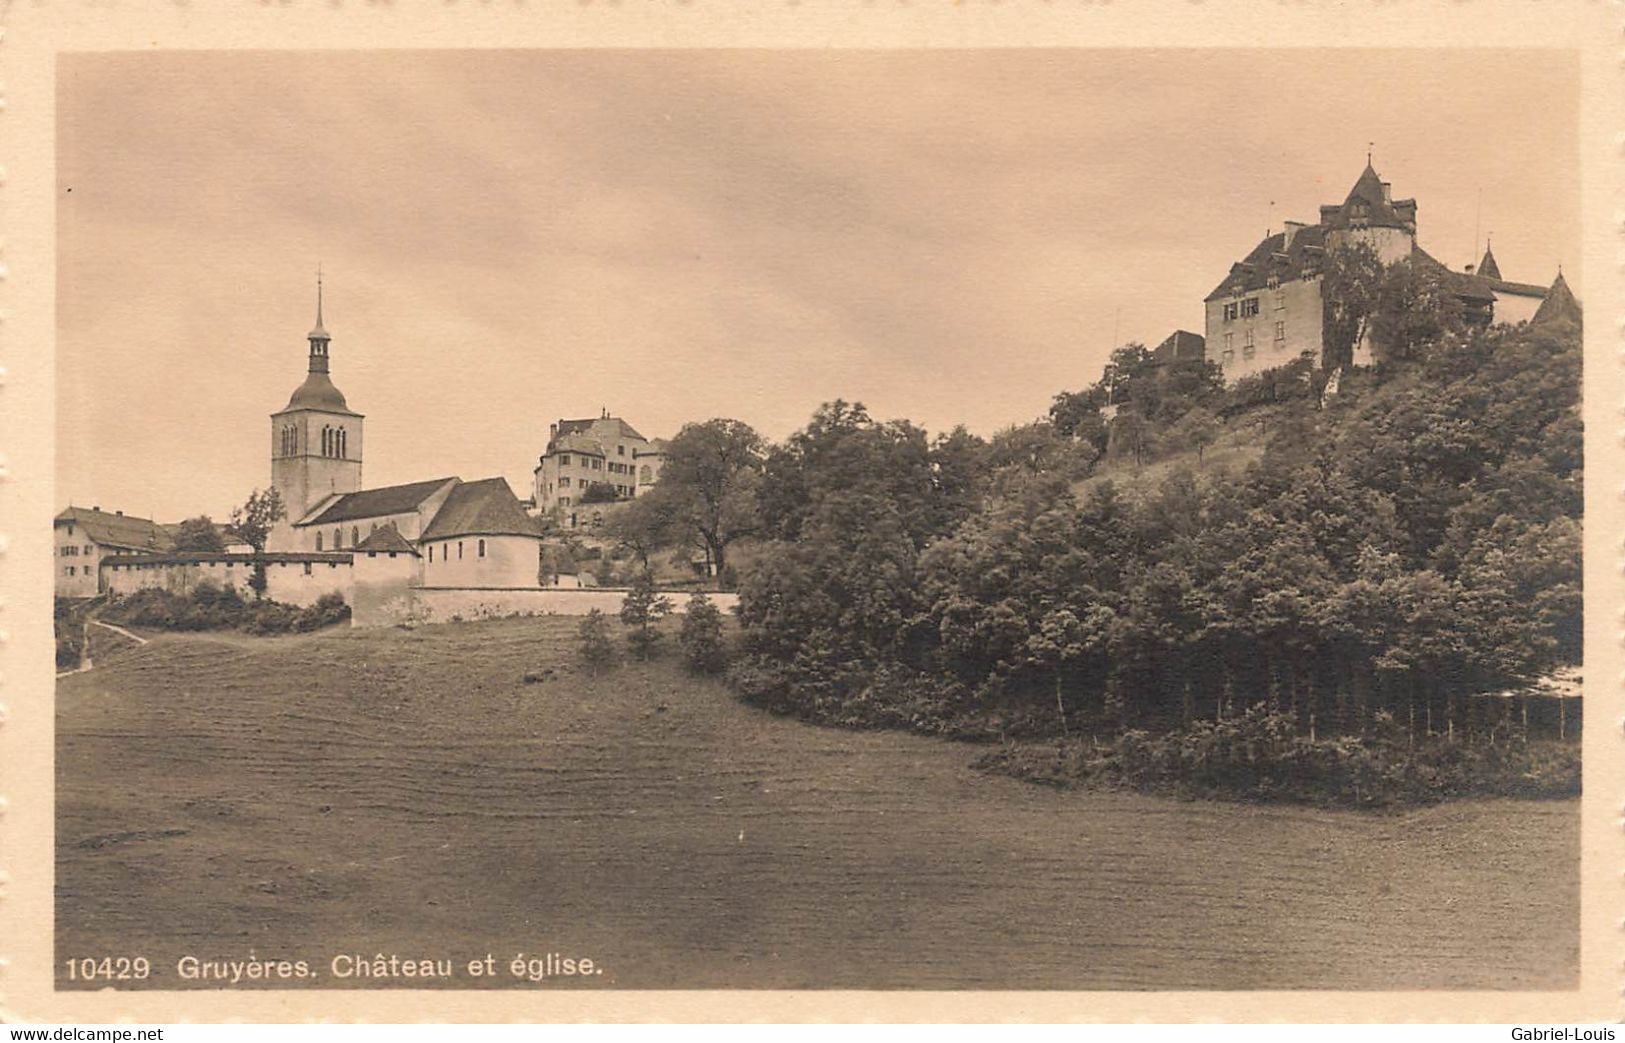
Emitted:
<point x="118" y="530"/>
<point x="487" y="507"/>
<point x="385" y="539"/>
<point x="375" y="503"/>
<point x="1560" y="304"/>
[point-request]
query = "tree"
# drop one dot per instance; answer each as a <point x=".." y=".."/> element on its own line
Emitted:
<point x="252" y="523"/>
<point x="593" y="635"/>
<point x="1349" y="285"/>
<point x="641" y="610"/>
<point x="599" y="492"/>
<point x="647" y="524"/>
<point x="701" y="636"/>
<point x="199" y="534"/>
<point x="707" y="486"/>
<point x="1413" y="309"/>
<point x="1199" y="428"/>
<point x="1038" y="448"/>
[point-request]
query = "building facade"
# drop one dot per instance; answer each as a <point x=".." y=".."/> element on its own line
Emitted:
<point x="86" y="537"/>
<point x="606" y="452"/>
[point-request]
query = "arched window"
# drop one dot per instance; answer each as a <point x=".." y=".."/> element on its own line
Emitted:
<point x="344" y="444"/>
<point x="338" y="539"/>
<point x="482" y="548"/>
<point x="327" y="437"/>
<point x="355" y="535"/>
<point x="318" y="541"/>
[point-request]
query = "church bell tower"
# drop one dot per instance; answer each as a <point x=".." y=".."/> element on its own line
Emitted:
<point x="316" y="437"/>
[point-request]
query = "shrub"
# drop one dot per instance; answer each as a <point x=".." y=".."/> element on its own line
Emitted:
<point x="641" y="610"/>
<point x="701" y="636"/>
<point x="593" y="633"/>
<point x="212" y="607"/>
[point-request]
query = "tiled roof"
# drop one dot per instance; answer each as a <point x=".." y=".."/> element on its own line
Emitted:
<point x="118" y="530"/>
<point x="1274" y="257"/>
<point x="1368" y="205"/>
<point x="385" y="539"/>
<point x="483" y="508"/>
<point x="1560" y="304"/>
<point x="375" y="503"/>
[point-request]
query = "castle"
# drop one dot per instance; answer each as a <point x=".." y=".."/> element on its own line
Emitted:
<point x="1268" y="309"/>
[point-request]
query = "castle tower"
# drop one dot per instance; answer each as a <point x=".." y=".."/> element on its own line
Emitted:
<point x="316" y="437"/>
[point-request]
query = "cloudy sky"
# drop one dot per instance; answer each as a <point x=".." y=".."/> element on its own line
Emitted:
<point x="513" y="237"/>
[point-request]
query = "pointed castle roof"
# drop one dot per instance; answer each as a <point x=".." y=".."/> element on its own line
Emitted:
<point x="1487" y="267"/>
<point x="1560" y="304"/>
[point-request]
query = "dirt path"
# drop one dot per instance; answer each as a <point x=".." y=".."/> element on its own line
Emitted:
<point x="367" y="791"/>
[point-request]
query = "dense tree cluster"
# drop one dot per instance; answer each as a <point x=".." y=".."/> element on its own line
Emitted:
<point x="1395" y="550"/>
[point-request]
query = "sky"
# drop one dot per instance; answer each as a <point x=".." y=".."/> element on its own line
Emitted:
<point x="512" y="237"/>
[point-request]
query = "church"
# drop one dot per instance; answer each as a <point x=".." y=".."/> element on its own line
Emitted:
<point x="442" y="532"/>
<point x="1268" y="309"/>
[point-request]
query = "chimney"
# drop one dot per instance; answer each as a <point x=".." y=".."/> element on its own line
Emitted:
<point x="1290" y="228"/>
<point x="119" y="513"/>
<point x="95" y="508"/>
<point x="1468" y="269"/>
<point x="1387" y="192"/>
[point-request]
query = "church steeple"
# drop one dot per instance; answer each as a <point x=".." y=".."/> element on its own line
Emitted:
<point x="318" y="336"/>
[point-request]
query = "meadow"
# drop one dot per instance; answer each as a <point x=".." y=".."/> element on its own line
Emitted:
<point x="405" y="791"/>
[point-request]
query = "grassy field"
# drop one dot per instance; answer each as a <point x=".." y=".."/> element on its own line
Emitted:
<point x="387" y="791"/>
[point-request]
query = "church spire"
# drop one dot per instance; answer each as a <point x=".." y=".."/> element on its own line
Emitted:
<point x="318" y="336"/>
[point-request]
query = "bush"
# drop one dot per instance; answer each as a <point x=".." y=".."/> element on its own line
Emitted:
<point x="593" y="633"/>
<point x="701" y="636"/>
<point x="641" y="610"/>
<point x="212" y="607"/>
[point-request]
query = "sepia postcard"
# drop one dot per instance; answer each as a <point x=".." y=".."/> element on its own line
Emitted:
<point x="881" y="511"/>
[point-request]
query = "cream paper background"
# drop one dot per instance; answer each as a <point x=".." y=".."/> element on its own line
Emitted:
<point x="36" y="31"/>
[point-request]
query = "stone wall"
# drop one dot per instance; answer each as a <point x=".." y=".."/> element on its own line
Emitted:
<point x="388" y="607"/>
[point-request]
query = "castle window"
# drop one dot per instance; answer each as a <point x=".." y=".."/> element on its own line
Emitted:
<point x="1230" y="311"/>
<point x="344" y="444"/>
<point x="338" y="539"/>
<point x="620" y="450"/>
<point x="431" y="554"/>
<point x="307" y="567"/>
<point x="482" y="548"/>
<point x="1280" y="331"/>
<point x="564" y="459"/>
<point x="71" y="570"/>
<point x="1280" y="300"/>
<point x="1229" y="344"/>
<point x="564" y="481"/>
<point x="1249" y="307"/>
